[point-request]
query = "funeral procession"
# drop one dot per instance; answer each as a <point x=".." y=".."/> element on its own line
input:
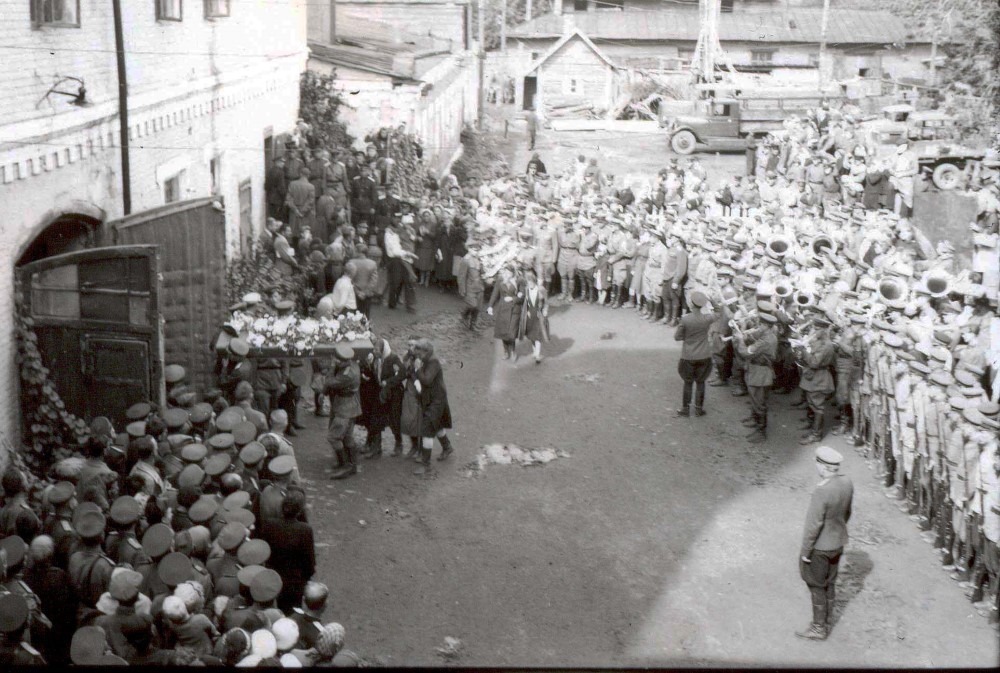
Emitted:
<point x="536" y="334"/>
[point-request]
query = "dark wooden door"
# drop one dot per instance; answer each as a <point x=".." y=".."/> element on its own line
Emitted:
<point x="191" y="239"/>
<point x="94" y="314"/>
<point x="530" y="89"/>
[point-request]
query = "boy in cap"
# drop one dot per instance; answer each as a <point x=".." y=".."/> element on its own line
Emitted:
<point x="823" y="540"/>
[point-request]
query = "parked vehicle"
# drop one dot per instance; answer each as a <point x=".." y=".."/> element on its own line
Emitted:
<point x="724" y="124"/>
<point x="946" y="164"/>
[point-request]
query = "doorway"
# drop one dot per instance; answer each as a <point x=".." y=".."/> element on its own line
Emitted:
<point x="530" y="91"/>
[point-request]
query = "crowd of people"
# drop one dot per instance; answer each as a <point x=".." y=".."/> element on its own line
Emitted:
<point x="184" y="540"/>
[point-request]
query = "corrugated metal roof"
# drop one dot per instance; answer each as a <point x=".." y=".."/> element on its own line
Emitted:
<point x="846" y="26"/>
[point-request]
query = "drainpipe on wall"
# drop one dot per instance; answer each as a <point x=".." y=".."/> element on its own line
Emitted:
<point x="123" y="108"/>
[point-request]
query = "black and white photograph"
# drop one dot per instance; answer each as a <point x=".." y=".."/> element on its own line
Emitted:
<point x="528" y="334"/>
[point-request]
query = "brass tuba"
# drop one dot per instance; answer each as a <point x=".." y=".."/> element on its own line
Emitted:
<point x="782" y="287"/>
<point x="938" y="282"/>
<point x="822" y="242"/>
<point x="778" y="246"/>
<point x="893" y="290"/>
<point x="805" y="299"/>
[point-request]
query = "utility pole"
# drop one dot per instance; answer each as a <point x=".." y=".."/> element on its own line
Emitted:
<point x="527" y="12"/>
<point x="482" y="60"/>
<point x="123" y="108"/>
<point x="333" y="21"/>
<point x="822" y="43"/>
<point x="503" y="27"/>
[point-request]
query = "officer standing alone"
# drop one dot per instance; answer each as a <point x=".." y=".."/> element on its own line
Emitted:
<point x="823" y="540"/>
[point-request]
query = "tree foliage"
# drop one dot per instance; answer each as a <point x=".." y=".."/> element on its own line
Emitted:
<point x="516" y="14"/>
<point x="319" y="107"/>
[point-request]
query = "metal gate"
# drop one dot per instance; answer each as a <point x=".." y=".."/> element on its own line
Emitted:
<point x="191" y="239"/>
<point x="95" y="316"/>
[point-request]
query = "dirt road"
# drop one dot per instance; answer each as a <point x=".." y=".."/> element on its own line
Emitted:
<point x="659" y="541"/>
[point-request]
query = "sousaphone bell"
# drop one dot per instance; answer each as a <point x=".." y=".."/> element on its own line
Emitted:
<point x="893" y="291"/>
<point x="779" y="246"/>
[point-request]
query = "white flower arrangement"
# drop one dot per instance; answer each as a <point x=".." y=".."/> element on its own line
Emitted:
<point x="300" y="336"/>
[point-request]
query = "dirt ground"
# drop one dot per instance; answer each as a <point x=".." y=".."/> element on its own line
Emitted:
<point x="658" y="542"/>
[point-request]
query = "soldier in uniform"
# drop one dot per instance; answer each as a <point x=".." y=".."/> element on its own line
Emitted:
<point x="224" y="568"/>
<point x="58" y="526"/>
<point x="51" y="584"/>
<point x="121" y="544"/>
<point x="568" y="239"/>
<point x="273" y="495"/>
<point x="823" y="540"/>
<point x="547" y="243"/>
<point x="342" y="387"/>
<point x="13" y="621"/>
<point x="816" y="358"/>
<point x="587" y="262"/>
<point x="16" y="515"/>
<point x="760" y="356"/>
<point x="89" y="568"/>
<point x="621" y="264"/>
<point x="12" y="556"/>
<point x="270" y="384"/>
<point x="157" y="542"/>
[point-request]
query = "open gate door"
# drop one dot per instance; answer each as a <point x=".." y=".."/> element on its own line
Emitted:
<point x="191" y="239"/>
<point x="95" y="314"/>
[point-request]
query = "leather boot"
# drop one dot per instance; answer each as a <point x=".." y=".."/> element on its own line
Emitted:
<point x="817" y="630"/>
<point x="425" y="462"/>
<point x="350" y="466"/>
<point x="339" y="455"/>
<point x="683" y="412"/>
<point x="446" y="447"/>
<point x="375" y="448"/>
<point x="397" y="448"/>
<point x="750" y="421"/>
<point x="414" y="448"/>
<point x="699" y="411"/>
<point x="631" y="302"/>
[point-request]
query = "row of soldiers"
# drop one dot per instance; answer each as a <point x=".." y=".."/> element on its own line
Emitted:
<point x="879" y="334"/>
<point x="183" y="540"/>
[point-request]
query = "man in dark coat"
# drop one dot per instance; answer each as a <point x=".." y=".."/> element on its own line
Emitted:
<point x="276" y="189"/>
<point x="823" y="540"/>
<point x="52" y="586"/>
<point x="696" y="356"/>
<point x="293" y="551"/>
<point x="435" y="417"/>
<point x="364" y="194"/>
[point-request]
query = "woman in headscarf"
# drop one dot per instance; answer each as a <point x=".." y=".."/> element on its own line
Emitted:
<point x="505" y="306"/>
<point x="328" y="650"/>
<point x="427" y="228"/>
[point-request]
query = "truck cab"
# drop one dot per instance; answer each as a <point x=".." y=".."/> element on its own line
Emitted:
<point x="715" y="122"/>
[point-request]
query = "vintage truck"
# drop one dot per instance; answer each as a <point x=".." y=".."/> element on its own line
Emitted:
<point x="725" y="124"/>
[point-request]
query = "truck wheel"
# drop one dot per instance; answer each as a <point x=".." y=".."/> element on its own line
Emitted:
<point x="683" y="142"/>
<point x="947" y="177"/>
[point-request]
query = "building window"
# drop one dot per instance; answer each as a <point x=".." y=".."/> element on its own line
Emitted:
<point x="216" y="8"/>
<point x="762" y="57"/>
<point x="580" y="5"/>
<point x="610" y="4"/>
<point x="863" y="72"/>
<point x="64" y="13"/>
<point x="215" y="169"/>
<point x="726" y="7"/>
<point x="172" y="188"/>
<point x="168" y="10"/>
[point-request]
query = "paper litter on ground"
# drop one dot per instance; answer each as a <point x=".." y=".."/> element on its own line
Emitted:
<point x="511" y="454"/>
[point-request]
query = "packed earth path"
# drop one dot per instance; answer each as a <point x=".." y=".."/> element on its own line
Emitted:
<point x="658" y="541"/>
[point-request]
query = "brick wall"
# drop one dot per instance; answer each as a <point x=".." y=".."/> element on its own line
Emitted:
<point x="185" y="110"/>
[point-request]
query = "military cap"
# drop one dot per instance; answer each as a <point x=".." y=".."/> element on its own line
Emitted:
<point x="828" y="456"/>
<point x="236" y="500"/>
<point x="218" y="463"/>
<point x="989" y="409"/>
<point x="125" y="510"/>
<point x="86" y="508"/>
<point x="698" y="298"/>
<point x="254" y="552"/>
<point x="246" y="574"/>
<point x="765" y="307"/>
<point x="176" y="417"/>
<point x="244" y="433"/>
<point x="230" y="481"/>
<point x="299" y="376"/>
<point x="211" y="395"/>
<point x="61" y="493"/>
<point x="958" y="403"/>
<point x="749" y="285"/>
<point x="157" y="540"/>
<point x="769" y="318"/>
<point x="89" y="524"/>
<point x="124" y="585"/>
<point x="174" y="568"/>
<point x="281" y="466"/>
<point x="194" y="453"/>
<point x="222" y="441"/>
<point x="203" y="509"/>
<point x="186" y="399"/>
<point x="942" y="378"/>
<point x="238" y="346"/>
<point x="138" y="411"/>
<point x="191" y="475"/>
<point x="201" y="413"/>
<point x="243" y="516"/>
<point x="892" y="340"/>
<point x="972" y="415"/>
<point x="252" y="453"/>
<point x="88" y="646"/>
<point x="136" y="429"/>
<point x="227" y="421"/>
<point x="173" y="373"/>
<point x="906" y="355"/>
<point x="965" y="378"/>
<point x="13" y="613"/>
<point x="284" y="305"/>
<point x="266" y="586"/>
<point x="232" y="535"/>
<point x="343" y="352"/>
<point x="920" y="367"/>
<point x="15" y="548"/>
